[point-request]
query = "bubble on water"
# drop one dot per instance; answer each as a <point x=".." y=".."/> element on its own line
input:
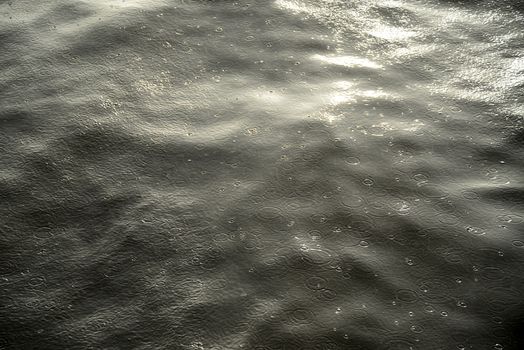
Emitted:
<point x="444" y="314"/>
<point x="498" y="346"/>
<point x="338" y="311"/>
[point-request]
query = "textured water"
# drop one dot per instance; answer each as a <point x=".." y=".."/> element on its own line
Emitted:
<point x="268" y="175"/>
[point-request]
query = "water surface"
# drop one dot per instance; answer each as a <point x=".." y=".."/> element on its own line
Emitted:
<point x="284" y="175"/>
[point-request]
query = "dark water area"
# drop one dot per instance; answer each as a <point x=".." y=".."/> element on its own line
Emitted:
<point x="267" y="175"/>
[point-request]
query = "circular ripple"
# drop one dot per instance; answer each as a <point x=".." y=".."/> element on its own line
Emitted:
<point x="492" y="273"/>
<point x="326" y="294"/>
<point x="475" y="230"/>
<point x="510" y="219"/>
<point x="518" y="243"/>
<point x="421" y="177"/>
<point x="379" y="209"/>
<point x="272" y="267"/>
<point x="360" y="226"/>
<point x="301" y="316"/>
<point x="447" y="219"/>
<point x="353" y="160"/>
<point x="453" y="255"/>
<point x="269" y="213"/>
<point x="401" y="207"/>
<point x="502" y="299"/>
<point x="316" y="283"/>
<point x="433" y="191"/>
<point x="310" y="258"/>
<point x="398" y="344"/>
<point x="470" y="195"/>
<point x="436" y="290"/>
<point x="406" y="295"/>
<point x="43" y="234"/>
<point x="319" y="218"/>
<point x="368" y="182"/>
<point x="353" y="201"/>
<point x="37" y="281"/>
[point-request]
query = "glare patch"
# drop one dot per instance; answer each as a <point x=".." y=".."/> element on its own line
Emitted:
<point x="391" y="33"/>
<point x="348" y="61"/>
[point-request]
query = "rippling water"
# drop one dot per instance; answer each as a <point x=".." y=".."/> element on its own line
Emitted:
<point x="284" y="174"/>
